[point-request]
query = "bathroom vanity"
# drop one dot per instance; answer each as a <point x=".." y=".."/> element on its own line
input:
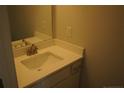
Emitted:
<point x="57" y="64"/>
<point x="42" y="61"/>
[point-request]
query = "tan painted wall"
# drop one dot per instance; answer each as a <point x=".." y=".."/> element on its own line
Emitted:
<point x="24" y="20"/>
<point x="99" y="30"/>
<point x="7" y="67"/>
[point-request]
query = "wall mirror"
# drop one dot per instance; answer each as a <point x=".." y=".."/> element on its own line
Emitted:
<point x="30" y="20"/>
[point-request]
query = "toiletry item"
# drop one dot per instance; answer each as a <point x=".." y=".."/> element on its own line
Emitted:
<point x="17" y="46"/>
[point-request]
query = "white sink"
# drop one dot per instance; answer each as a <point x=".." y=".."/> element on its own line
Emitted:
<point x="39" y="61"/>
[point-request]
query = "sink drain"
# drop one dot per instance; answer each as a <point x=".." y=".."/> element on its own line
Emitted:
<point x="39" y="69"/>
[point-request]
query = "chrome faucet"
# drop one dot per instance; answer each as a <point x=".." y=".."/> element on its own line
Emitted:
<point x="32" y="50"/>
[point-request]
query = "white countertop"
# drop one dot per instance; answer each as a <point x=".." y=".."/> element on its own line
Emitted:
<point x="26" y="77"/>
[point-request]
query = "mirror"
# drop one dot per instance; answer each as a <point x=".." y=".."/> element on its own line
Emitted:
<point x="30" y="20"/>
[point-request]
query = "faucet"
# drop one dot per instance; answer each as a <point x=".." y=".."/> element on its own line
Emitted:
<point x="32" y="50"/>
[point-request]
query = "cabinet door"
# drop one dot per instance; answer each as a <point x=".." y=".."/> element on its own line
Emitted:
<point x="53" y="79"/>
<point x="70" y="82"/>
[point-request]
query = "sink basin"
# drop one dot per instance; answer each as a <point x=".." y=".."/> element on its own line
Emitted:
<point x="40" y="61"/>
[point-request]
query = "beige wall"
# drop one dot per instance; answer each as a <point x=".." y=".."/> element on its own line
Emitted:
<point x="24" y="20"/>
<point x="99" y="30"/>
<point x="7" y="67"/>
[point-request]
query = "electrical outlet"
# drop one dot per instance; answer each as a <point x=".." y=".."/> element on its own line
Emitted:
<point x="68" y="31"/>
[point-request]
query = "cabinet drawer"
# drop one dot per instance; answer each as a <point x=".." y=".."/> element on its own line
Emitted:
<point x="56" y="77"/>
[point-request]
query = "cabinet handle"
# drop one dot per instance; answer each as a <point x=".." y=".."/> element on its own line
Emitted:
<point x="75" y="70"/>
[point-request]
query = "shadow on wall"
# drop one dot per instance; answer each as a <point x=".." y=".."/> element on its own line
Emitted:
<point x="84" y="74"/>
<point x="85" y="83"/>
<point x="99" y="29"/>
<point x="1" y="83"/>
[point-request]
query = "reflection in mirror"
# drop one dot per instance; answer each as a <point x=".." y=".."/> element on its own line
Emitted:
<point x="30" y="21"/>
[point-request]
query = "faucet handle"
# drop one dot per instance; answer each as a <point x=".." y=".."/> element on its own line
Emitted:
<point x="25" y="42"/>
<point x="34" y="48"/>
